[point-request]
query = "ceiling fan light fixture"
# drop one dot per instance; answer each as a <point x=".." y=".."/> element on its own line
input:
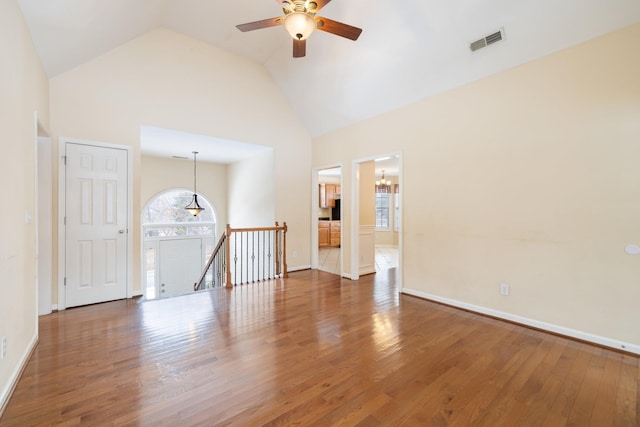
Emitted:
<point x="300" y="25"/>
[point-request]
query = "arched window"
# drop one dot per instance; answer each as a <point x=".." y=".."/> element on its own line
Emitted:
<point x="176" y="244"/>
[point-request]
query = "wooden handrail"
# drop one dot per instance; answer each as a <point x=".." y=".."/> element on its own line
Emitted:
<point x="239" y="230"/>
<point x="279" y="257"/>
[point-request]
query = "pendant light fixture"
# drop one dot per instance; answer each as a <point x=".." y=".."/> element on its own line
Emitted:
<point x="300" y="25"/>
<point x="194" y="207"/>
<point x="383" y="185"/>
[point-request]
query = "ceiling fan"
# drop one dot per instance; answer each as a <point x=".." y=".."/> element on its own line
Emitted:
<point x="300" y="20"/>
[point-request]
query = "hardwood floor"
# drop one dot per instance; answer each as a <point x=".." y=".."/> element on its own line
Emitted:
<point x="314" y="350"/>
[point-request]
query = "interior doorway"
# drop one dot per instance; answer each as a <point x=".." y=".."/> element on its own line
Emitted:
<point x="387" y="216"/>
<point x="329" y="220"/>
<point x="377" y="216"/>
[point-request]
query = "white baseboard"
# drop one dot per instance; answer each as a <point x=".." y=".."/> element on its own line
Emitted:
<point x="298" y="268"/>
<point x="561" y="330"/>
<point x="54" y="307"/>
<point x="7" y="391"/>
<point x="137" y="294"/>
<point x="369" y="269"/>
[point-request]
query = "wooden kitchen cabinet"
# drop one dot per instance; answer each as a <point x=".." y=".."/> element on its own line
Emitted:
<point x="335" y="228"/>
<point x="329" y="233"/>
<point x="331" y="195"/>
<point x="328" y="195"/>
<point x="324" y="233"/>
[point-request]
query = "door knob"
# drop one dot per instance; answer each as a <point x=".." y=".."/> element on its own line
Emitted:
<point x="121" y="231"/>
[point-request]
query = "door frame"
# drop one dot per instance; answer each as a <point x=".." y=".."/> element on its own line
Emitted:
<point x="44" y="224"/>
<point x="62" y="237"/>
<point x="315" y="195"/>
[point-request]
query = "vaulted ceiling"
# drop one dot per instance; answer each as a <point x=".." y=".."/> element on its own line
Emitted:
<point x="409" y="49"/>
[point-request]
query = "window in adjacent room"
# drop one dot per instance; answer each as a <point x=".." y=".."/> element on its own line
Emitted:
<point x="383" y="205"/>
<point x="396" y="213"/>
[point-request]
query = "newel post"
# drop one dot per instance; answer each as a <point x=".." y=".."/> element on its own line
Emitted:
<point x="227" y="257"/>
<point x="277" y="249"/>
<point x="284" y="249"/>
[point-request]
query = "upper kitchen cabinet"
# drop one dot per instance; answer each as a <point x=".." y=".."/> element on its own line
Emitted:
<point x="328" y="195"/>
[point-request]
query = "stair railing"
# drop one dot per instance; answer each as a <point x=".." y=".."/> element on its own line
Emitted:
<point x="213" y="274"/>
<point x="246" y="255"/>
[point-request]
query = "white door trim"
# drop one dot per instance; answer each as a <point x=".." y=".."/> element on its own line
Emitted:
<point x="44" y="224"/>
<point x="62" y="141"/>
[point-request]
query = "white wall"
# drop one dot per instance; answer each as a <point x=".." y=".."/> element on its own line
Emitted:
<point x="252" y="192"/>
<point x="168" y="80"/>
<point x="23" y="90"/>
<point x="528" y="177"/>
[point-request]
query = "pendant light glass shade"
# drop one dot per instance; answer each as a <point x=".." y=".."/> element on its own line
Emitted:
<point x="194" y="207"/>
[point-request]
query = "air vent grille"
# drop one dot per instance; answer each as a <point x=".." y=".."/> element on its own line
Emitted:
<point x="493" y="38"/>
<point x="487" y="40"/>
<point x="478" y="44"/>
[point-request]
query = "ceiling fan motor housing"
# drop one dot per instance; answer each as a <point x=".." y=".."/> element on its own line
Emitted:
<point x="301" y="6"/>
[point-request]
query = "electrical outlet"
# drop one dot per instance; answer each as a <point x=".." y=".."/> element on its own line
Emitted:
<point x="504" y="289"/>
<point x="4" y="347"/>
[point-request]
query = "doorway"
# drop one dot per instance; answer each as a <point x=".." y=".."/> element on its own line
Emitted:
<point x="377" y="216"/>
<point x="387" y="216"/>
<point x="329" y="220"/>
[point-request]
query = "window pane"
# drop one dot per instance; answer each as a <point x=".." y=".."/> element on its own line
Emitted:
<point x="169" y="207"/>
<point x="178" y="230"/>
<point x="396" y="213"/>
<point x="382" y="211"/>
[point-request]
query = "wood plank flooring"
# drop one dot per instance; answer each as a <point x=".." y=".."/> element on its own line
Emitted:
<point x="314" y="350"/>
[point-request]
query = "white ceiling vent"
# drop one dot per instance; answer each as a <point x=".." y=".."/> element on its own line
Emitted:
<point x="487" y="40"/>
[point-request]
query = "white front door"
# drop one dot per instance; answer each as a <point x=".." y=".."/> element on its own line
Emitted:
<point x="180" y="265"/>
<point x="96" y="224"/>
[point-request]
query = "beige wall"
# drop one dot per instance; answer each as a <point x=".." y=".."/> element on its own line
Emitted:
<point x="367" y="181"/>
<point x="23" y="90"/>
<point x="168" y="80"/>
<point x="252" y="192"/>
<point x="160" y="174"/>
<point x="529" y="177"/>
